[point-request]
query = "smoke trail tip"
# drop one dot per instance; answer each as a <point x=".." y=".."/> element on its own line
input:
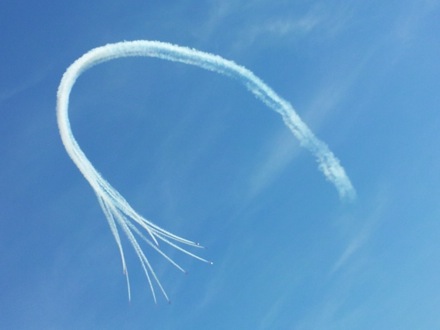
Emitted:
<point x="347" y="193"/>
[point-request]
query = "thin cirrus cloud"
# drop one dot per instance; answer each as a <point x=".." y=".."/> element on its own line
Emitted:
<point x="278" y="154"/>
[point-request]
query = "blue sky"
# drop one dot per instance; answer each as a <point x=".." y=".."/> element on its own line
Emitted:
<point x="198" y="155"/>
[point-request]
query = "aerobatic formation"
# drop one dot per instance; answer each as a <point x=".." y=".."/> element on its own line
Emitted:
<point x="119" y="213"/>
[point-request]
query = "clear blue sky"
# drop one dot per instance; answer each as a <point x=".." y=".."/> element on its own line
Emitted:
<point x="197" y="154"/>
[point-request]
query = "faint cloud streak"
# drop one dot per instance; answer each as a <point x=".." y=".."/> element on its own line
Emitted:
<point x="279" y="152"/>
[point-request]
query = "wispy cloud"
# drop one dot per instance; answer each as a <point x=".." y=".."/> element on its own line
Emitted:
<point x="32" y="80"/>
<point x="360" y="237"/>
<point x="277" y="154"/>
<point x="286" y="23"/>
<point x="353" y="246"/>
<point x="280" y="27"/>
<point x="332" y="310"/>
<point x="408" y="22"/>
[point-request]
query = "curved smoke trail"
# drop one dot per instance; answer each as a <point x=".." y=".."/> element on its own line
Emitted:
<point x="115" y="207"/>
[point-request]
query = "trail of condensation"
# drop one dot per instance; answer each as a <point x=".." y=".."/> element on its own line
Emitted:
<point x="116" y="209"/>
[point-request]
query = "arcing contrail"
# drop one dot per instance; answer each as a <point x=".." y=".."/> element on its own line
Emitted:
<point x="115" y="207"/>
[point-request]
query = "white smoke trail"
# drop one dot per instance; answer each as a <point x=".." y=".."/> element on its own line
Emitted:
<point x="115" y="207"/>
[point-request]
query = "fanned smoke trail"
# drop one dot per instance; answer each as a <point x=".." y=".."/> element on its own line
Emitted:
<point x="115" y="207"/>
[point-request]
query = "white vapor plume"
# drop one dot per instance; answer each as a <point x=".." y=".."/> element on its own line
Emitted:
<point x="115" y="207"/>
